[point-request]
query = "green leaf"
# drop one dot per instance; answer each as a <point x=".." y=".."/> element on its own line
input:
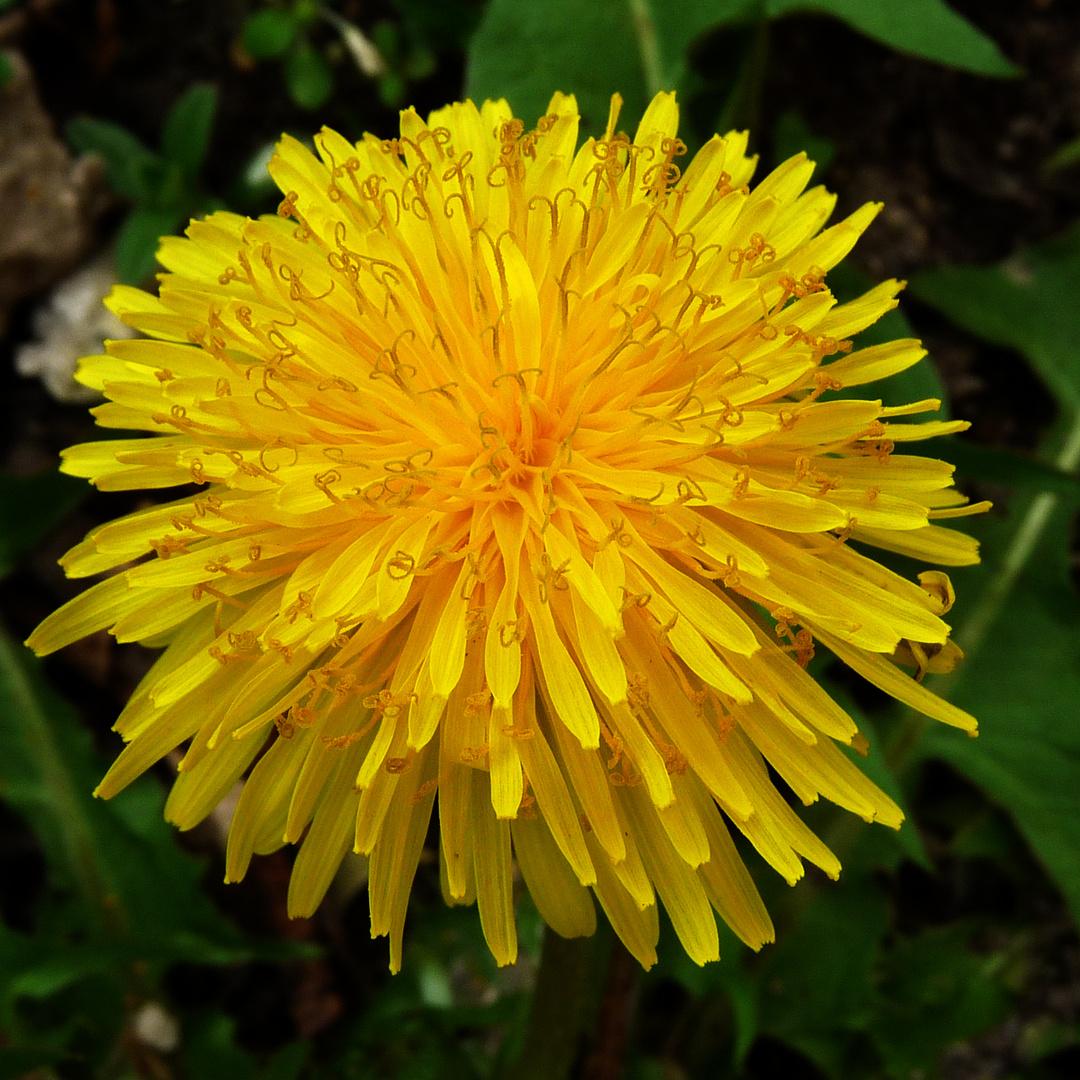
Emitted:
<point x="307" y="11"/>
<point x="75" y="1030"/>
<point x="42" y="965"/>
<point x="173" y="192"/>
<point x="308" y="76"/>
<point x="17" y="1063"/>
<point x="926" y="28"/>
<point x="288" y="1062"/>
<point x="1027" y="303"/>
<point x="185" y="138"/>
<point x="387" y="40"/>
<point x="443" y="25"/>
<point x="36" y="780"/>
<point x="1022" y="682"/>
<point x="420" y="64"/>
<point x="678" y="25"/>
<point x="816" y="982"/>
<point x="140" y="897"/>
<point x="120" y="903"/>
<point x="132" y="169"/>
<point x="392" y="90"/>
<point x="1063" y="157"/>
<point x="934" y="992"/>
<point x="791" y="134"/>
<point x="267" y="34"/>
<point x="1021" y="678"/>
<point x="6" y="70"/>
<point x="137" y="244"/>
<point x="874" y="765"/>
<point x="525" y="52"/>
<point x="210" y="1053"/>
<point x="1010" y="468"/>
<point x="33" y="505"/>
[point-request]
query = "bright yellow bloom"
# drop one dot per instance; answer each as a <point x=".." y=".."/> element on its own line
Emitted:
<point x="524" y="482"/>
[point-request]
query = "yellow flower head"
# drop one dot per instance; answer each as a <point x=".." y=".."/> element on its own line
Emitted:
<point x="523" y="482"/>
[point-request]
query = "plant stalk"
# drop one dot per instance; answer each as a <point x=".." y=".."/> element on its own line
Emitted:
<point x="560" y="1006"/>
<point x="1024" y="542"/>
<point x="641" y="18"/>
<point x="974" y="630"/>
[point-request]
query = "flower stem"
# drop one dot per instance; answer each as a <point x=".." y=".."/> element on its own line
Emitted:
<point x="648" y="46"/>
<point x="35" y="729"/>
<point x="975" y="628"/>
<point x="618" y="1004"/>
<point x="560" y="1006"/>
<point x="1024" y="542"/>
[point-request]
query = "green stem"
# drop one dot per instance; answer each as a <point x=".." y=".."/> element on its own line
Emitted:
<point x="974" y="630"/>
<point x="743" y="104"/>
<point x="648" y="45"/>
<point x="560" y="1005"/>
<point x="67" y="806"/>
<point x="1023" y="544"/>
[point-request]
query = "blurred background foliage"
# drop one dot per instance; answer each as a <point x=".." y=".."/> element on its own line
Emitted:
<point x="948" y="950"/>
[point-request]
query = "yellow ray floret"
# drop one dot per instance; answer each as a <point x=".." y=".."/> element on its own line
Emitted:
<point x="522" y="487"/>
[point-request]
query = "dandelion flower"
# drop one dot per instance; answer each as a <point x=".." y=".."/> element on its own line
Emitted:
<point x="522" y="482"/>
